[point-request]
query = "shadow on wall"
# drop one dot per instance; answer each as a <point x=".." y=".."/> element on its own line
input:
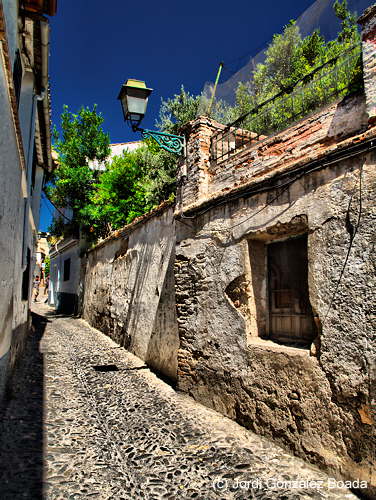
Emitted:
<point x="66" y="303"/>
<point x="130" y="292"/>
<point x="21" y="423"/>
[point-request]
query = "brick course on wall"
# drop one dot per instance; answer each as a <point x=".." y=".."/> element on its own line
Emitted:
<point x="310" y="139"/>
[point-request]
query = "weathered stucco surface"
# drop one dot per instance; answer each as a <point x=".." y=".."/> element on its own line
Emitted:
<point x="16" y="235"/>
<point x="210" y="261"/>
<point x="129" y="291"/>
<point x="317" y="178"/>
<point x="317" y="402"/>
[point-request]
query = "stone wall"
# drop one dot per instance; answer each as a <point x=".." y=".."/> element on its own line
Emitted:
<point x="317" y="179"/>
<point x="317" y="401"/>
<point x="129" y="290"/>
<point x="210" y="260"/>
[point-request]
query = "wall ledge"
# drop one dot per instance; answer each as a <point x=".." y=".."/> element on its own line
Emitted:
<point x="128" y="228"/>
<point x="332" y="154"/>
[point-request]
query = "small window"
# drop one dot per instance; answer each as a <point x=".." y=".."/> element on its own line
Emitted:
<point x="17" y="76"/>
<point x="34" y="168"/>
<point x="66" y="275"/>
<point x="290" y="313"/>
<point x="26" y="278"/>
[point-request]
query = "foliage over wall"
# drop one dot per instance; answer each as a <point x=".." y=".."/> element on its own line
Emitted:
<point x="94" y="202"/>
<point x="289" y="60"/>
<point x="137" y="181"/>
<point x="132" y="184"/>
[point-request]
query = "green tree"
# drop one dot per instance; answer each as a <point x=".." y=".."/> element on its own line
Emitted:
<point x="81" y="141"/>
<point x="288" y="61"/>
<point x="47" y="265"/>
<point x="349" y="31"/>
<point x="119" y="196"/>
<point x="132" y="185"/>
<point x="177" y="111"/>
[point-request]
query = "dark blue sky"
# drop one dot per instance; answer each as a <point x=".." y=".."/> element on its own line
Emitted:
<point x="97" y="45"/>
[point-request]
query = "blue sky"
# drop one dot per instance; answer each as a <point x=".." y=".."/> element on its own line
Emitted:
<point x="97" y="45"/>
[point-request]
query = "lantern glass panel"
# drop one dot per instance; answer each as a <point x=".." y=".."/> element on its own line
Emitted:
<point x="136" y="105"/>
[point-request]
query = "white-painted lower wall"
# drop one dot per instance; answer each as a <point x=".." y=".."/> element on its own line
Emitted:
<point x="63" y="294"/>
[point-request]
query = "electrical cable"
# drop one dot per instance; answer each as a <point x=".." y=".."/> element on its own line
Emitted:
<point x="268" y="188"/>
<point x="45" y="197"/>
<point x="47" y="206"/>
<point x="352" y="237"/>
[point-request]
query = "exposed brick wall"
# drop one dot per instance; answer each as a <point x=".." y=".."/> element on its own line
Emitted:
<point x="311" y="138"/>
<point x="194" y="171"/>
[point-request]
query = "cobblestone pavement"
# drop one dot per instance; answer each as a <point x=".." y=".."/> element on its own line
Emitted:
<point x="73" y="432"/>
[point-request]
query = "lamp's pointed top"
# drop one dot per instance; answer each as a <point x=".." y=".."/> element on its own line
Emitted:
<point x="136" y="83"/>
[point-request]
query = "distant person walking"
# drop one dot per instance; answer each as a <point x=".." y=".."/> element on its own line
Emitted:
<point x="36" y="285"/>
<point x="46" y="283"/>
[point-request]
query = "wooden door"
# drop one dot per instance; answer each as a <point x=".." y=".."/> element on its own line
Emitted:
<point x="290" y="319"/>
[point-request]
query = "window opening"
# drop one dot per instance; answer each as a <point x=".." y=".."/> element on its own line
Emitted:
<point x="66" y="275"/>
<point x="290" y="312"/>
<point x="17" y="76"/>
<point x="26" y="278"/>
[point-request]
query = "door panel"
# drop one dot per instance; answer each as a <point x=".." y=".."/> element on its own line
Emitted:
<point x="291" y="319"/>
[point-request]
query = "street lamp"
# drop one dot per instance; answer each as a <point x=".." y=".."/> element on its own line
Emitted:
<point x="134" y="97"/>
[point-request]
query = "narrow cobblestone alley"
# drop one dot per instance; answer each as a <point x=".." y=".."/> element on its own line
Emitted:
<point x="73" y="430"/>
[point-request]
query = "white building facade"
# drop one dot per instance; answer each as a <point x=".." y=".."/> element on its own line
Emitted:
<point x="25" y="156"/>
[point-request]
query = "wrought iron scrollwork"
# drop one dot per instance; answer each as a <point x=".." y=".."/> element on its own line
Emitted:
<point x="169" y="142"/>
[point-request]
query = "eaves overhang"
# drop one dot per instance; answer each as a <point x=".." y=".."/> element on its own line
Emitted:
<point x="48" y="7"/>
<point x="62" y="246"/>
<point x="34" y="37"/>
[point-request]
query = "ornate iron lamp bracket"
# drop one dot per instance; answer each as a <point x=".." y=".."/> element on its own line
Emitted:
<point x="169" y="142"/>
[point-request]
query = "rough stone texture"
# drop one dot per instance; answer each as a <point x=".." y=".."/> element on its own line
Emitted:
<point x="322" y="406"/>
<point x="77" y="433"/>
<point x="368" y="22"/>
<point x="197" y="160"/>
<point x="129" y="291"/>
<point x="319" y="402"/>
